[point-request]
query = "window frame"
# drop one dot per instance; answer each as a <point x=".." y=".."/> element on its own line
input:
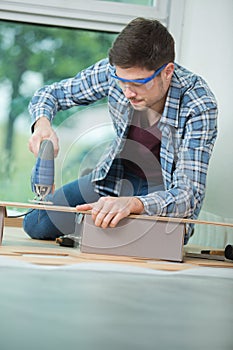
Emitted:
<point x="88" y="14"/>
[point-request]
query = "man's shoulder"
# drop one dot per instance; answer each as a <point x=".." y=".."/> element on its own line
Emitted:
<point x="186" y="78"/>
<point x="99" y="66"/>
<point x="192" y="86"/>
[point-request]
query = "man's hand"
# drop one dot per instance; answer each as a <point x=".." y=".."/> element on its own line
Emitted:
<point x="108" y="211"/>
<point x="43" y="131"/>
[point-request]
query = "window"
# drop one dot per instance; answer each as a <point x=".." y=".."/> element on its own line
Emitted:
<point x="32" y="56"/>
<point x="90" y="14"/>
<point x="42" y="42"/>
<point x="136" y="2"/>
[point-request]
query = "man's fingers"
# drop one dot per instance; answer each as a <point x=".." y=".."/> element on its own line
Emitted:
<point x="97" y="208"/>
<point x="84" y="207"/>
<point x="107" y="211"/>
<point x="43" y="131"/>
<point x="104" y="219"/>
<point x="116" y="219"/>
<point x="34" y="144"/>
<point x="55" y="142"/>
<point x="109" y="219"/>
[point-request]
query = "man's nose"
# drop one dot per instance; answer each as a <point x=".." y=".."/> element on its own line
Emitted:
<point x="128" y="91"/>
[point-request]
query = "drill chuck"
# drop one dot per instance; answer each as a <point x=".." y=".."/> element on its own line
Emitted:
<point x="42" y="178"/>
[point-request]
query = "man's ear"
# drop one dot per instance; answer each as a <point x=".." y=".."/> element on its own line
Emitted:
<point x="168" y="71"/>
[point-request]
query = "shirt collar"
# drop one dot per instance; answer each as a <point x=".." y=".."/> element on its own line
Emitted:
<point x="171" y="109"/>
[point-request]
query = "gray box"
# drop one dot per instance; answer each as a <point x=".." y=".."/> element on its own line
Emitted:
<point x="141" y="238"/>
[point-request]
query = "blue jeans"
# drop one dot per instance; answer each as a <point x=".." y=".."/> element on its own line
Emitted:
<point x="42" y="224"/>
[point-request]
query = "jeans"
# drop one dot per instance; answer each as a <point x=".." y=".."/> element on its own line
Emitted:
<point x="42" y="224"/>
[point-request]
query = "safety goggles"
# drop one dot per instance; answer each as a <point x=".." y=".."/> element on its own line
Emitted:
<point x="137" y="83"/>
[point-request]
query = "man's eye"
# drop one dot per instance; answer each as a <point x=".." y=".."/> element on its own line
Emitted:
<point x="137" y="84"/>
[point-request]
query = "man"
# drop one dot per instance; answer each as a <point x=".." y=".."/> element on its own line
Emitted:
<point x="165" y="122"/>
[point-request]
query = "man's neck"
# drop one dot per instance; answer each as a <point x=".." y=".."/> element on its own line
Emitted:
<point x="153" y="117"/>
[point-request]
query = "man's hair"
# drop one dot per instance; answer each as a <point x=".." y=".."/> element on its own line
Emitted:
<point x="143" y="43"/>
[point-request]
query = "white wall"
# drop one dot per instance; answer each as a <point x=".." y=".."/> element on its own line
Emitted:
<point x="207" y="49"/>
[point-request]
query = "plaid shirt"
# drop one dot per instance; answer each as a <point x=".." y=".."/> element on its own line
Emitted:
<point x="188" y="125"/>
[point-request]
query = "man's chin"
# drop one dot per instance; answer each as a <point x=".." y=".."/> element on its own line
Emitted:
<point x="138" y="106"/>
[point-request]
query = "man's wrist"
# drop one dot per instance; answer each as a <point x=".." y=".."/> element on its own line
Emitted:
<point x="137" y="206"/>
<point x="41" y="122"/>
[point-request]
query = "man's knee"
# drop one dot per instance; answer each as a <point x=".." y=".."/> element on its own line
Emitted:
<point x="31" y="228"/>
<point x="40" y="224"/>
<point x="36" y="225"/>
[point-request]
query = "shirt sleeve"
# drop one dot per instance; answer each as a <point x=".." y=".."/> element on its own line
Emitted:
<point x="186" y="191"/>
<point x="85" y="88"/>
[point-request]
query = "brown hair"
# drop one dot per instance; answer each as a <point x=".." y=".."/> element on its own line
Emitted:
<point x="143" y="43"/>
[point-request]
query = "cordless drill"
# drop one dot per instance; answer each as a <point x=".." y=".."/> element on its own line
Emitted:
<point x="42" y="177"/>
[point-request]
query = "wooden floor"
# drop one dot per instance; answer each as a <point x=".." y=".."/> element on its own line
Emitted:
<point x="18" y="246"/>
<point x="49" y="301"/>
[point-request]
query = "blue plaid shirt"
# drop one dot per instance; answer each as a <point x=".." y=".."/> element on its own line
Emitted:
<point x="188" y="125"/>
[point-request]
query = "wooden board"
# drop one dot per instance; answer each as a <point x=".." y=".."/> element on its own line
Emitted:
<point x="20" y="253"/>
<point x="133" y="216"/>
<point x="13" y="222"/>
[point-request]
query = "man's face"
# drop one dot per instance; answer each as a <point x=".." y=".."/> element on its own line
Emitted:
<point x="149" y="95"/>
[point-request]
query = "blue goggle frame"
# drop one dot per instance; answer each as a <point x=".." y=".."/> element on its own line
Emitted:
<point x="140" y="81"/>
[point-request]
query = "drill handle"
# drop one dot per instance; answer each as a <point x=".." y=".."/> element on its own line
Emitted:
<point x="42" y="179"/>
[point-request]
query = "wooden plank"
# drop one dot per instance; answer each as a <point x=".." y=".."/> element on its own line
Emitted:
<point x="133" y="216"/>
<point x="57" y="257"/>
<point x="2" y="216"/>
<point x="13" y="222"/>
<point x="208" y="263"/>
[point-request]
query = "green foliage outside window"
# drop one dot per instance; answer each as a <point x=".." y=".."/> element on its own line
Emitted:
<point x="32" y="56"/>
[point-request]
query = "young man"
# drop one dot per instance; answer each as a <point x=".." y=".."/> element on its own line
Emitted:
<point x="165" y="122"/>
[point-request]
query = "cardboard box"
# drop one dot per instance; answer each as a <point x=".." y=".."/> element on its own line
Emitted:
<point x="136" y="238"/>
